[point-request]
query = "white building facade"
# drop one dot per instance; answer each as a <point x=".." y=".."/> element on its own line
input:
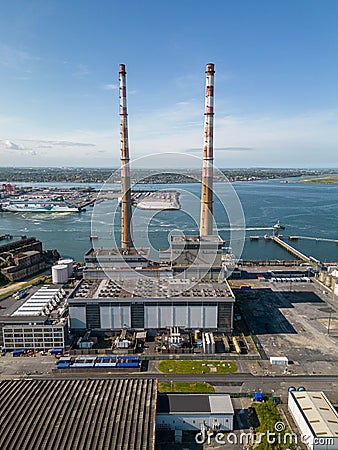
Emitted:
<point x="316" y="419"/>
<point x="194" y="412"/>
<point x="35" y="337"/>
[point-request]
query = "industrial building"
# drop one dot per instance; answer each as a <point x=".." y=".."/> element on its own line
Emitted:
<point x="83" y="414"/>
<point x="37" y="322"/>
<point x="316" y="418"/>
<point x="194" y="412"/>
<point x="21" y="258"/>
<point x="197" y="257"/>
<point x="151" y="304"/>
<point x="123" y="289"/>
<point x="117" y="264"/>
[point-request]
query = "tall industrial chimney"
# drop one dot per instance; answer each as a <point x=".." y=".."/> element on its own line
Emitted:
<point x="206" y="219"/>
<point x="126" y="237"/>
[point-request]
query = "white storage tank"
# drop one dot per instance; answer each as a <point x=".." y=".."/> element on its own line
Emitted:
<point x="60" y="274"/>
<point x="336" y="288"/>
<point x="69" y="263"/>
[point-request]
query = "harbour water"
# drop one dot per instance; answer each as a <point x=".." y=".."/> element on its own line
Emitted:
<point x="304" y="209"/>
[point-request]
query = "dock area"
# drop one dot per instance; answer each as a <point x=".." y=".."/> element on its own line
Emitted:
<point x="153" y="200"/>
<point x="291" y="249"/>
<point x="84" y="197"/>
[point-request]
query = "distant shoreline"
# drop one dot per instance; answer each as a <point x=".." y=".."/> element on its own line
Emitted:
<point x="321" y="180"/>
<point x="166" y="176"/>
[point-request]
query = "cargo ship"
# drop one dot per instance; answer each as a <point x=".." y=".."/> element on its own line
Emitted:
<point x="38" y="205"/>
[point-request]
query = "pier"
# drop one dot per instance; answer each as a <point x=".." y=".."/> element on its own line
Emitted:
<point x="294" y="238"/>
<point x="291" y="249"/>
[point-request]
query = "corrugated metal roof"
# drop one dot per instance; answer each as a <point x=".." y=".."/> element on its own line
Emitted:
<point x="45" y="297"/>
<point x="84" y="414"/>
<point x="319" y="412"/>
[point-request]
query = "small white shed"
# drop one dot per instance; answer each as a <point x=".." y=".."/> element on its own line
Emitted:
<point x="279" y="360"/>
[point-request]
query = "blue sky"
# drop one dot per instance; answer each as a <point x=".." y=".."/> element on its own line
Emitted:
<point x="276" y="96"/>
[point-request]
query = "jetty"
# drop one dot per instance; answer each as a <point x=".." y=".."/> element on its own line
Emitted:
<point x="291" y="249"/>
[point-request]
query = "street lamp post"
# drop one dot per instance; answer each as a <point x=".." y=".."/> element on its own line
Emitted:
<point x="329" y="323"/>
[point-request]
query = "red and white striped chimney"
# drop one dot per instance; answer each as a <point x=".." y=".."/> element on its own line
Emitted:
<point x="206" y="219"/>
<point x="126" y="233"/>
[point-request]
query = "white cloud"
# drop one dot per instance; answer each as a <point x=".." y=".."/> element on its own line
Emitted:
<point x="50" y="144"/>
<point x="81" y="71"/>
<point x="15" y="57"/>
<point x="9" y="145"/>
<point x="309" y="139"/>
<point x="24" y="78"/>
<point x="110" y="86"/>
<point x="222" y="149"/>
<point x="41" y="143"/>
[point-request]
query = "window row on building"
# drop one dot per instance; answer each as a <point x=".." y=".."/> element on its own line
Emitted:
<point x="33" y="337"/>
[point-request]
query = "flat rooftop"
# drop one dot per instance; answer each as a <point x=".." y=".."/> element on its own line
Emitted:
<point x="215" y="238"/>
<point x="318" y="412"/>
<point x="151" y="288"/>
<point x="92" y="414"/>
<point x="194" y="404"/>
<point x="106" y="252"/>
<point x="24" y="309"/>
<point x="41" y="303"/>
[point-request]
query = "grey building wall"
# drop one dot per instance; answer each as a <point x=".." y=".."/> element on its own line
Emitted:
<point x="151" y="314"/>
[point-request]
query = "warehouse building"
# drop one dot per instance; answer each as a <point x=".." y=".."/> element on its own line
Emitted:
<point x="316" y="419"/>
<point x="151" y="304"/>
<point x="22" y="258"/>
<point x="38" y="322"/>
<point x="83" y="414"/>
<point x="194" y="412"/>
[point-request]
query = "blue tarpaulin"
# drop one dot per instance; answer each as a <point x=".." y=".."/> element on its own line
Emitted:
<point x="258" y="397"/>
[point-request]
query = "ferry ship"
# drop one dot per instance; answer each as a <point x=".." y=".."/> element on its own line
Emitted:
<point x="38" y="205"/>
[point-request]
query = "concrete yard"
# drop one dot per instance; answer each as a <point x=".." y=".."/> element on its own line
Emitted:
<point x="11" y="367"/>
<point x="293" y="319"/>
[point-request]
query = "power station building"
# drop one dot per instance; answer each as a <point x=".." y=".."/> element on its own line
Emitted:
<point x="151" y="304"/>
<point x="197" y="257"/>
<point x="122" y="288"/>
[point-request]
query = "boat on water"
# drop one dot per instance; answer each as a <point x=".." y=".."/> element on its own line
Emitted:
<point x="38" y="205"/>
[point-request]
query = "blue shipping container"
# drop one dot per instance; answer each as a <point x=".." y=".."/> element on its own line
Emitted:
<point x="127" y="364"/>
<point x="63" y="365"/>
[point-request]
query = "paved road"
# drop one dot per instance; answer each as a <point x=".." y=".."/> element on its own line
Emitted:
<point x="209" y="378"/>
<point x="239" y="383"/>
